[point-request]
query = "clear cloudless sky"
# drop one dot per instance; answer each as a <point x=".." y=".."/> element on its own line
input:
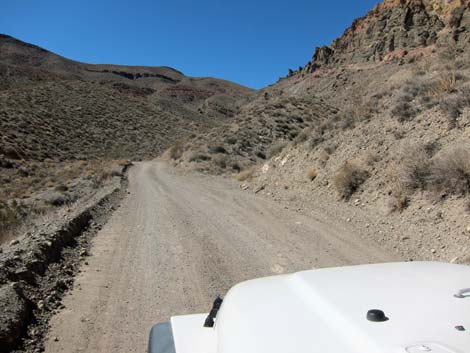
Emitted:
<point x="252" y="42"/>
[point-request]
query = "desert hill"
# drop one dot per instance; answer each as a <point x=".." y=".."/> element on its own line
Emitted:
<point x="148" y="107"/>
<point x="65" y="125"/>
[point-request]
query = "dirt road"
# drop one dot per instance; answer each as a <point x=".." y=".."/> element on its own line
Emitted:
<point x="175" y="243"/>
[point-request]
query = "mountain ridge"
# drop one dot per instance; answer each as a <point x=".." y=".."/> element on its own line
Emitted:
<point x="395" y="25"/>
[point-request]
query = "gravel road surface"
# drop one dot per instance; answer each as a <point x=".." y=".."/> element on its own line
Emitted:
<point x="175" y="243"/>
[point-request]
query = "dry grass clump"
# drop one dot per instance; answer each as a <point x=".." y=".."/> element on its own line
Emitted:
<point x="316" y="138"/>
<point x="415" y="167"/>
<point x="454" y="104"/>
<point x="303" y="136"/>
<point x="371" y="158"/>
<point x="246" y="174"/>
<point x="176" y="150"/>
<point x="198" y="157"/>
<point x="403" y="110"/>
<point x="446" y="83"/>
<point x="311" y="173"/>
<point x="10" y="217"/>
<point x="276" y="148"/>
<point x="348" y="178"/>
<point x="324" y="156"/>
<point x="450" y="171"/>
<point x="399" y="200"/>
<point x="221" y="160"/>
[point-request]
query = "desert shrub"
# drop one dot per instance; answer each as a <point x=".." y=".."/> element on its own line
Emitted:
<point x="348" y="178"/>
<point x="216" y="149"/>
<point x="315" y="139"/>
<point x="347" y="121"/>
<point x="330" y="148"/>
<point x="399" y="200"/>
<point x="452" y="107"/>
<point x="311" y="173"/>
<point x="176" y="151"/>
<point x="454" y="104"/>
<point x="324" y="156"/>
<point x="61" y="187"/>
<point x="370" y="158"/>
<point x="450" y="171"/>
<point x="446" y="83"/>
<point x="260" y="154"/>
<point x="221" y="160"/>
<point x="198" y="157"/>
<point x="415" y="167"/>
<point x="403" y="110"/>
<point x="10" y="217"/>
<point x="51" y="183"/>
<point x="276" y="148"/>
<point x="246" y="174"/>
<point x="302" y="136"/>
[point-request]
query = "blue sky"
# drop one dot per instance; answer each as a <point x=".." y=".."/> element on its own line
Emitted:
<point x="252" y="42"/>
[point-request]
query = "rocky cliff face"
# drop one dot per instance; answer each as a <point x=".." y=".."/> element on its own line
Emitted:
<point x="397" y="26"/>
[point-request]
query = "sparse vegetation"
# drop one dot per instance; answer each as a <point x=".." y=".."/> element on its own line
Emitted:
<point x="276" y="148"/>
<point x="348" y="178"/>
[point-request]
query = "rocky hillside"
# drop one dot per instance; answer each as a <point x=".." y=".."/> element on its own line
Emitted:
<point x="389" y="138"/>
<point x="396" y="28"/>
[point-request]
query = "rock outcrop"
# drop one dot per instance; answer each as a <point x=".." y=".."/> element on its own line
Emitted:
<point x="394" y="26"/>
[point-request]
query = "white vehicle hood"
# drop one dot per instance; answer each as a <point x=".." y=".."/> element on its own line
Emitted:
<point x="323" y="311"/>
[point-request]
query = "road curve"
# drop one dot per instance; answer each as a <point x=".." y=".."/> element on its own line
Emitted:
<point x="176" y="242"/>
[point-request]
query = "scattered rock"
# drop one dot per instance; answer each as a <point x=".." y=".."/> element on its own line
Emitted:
<point x="259" y="189"/>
